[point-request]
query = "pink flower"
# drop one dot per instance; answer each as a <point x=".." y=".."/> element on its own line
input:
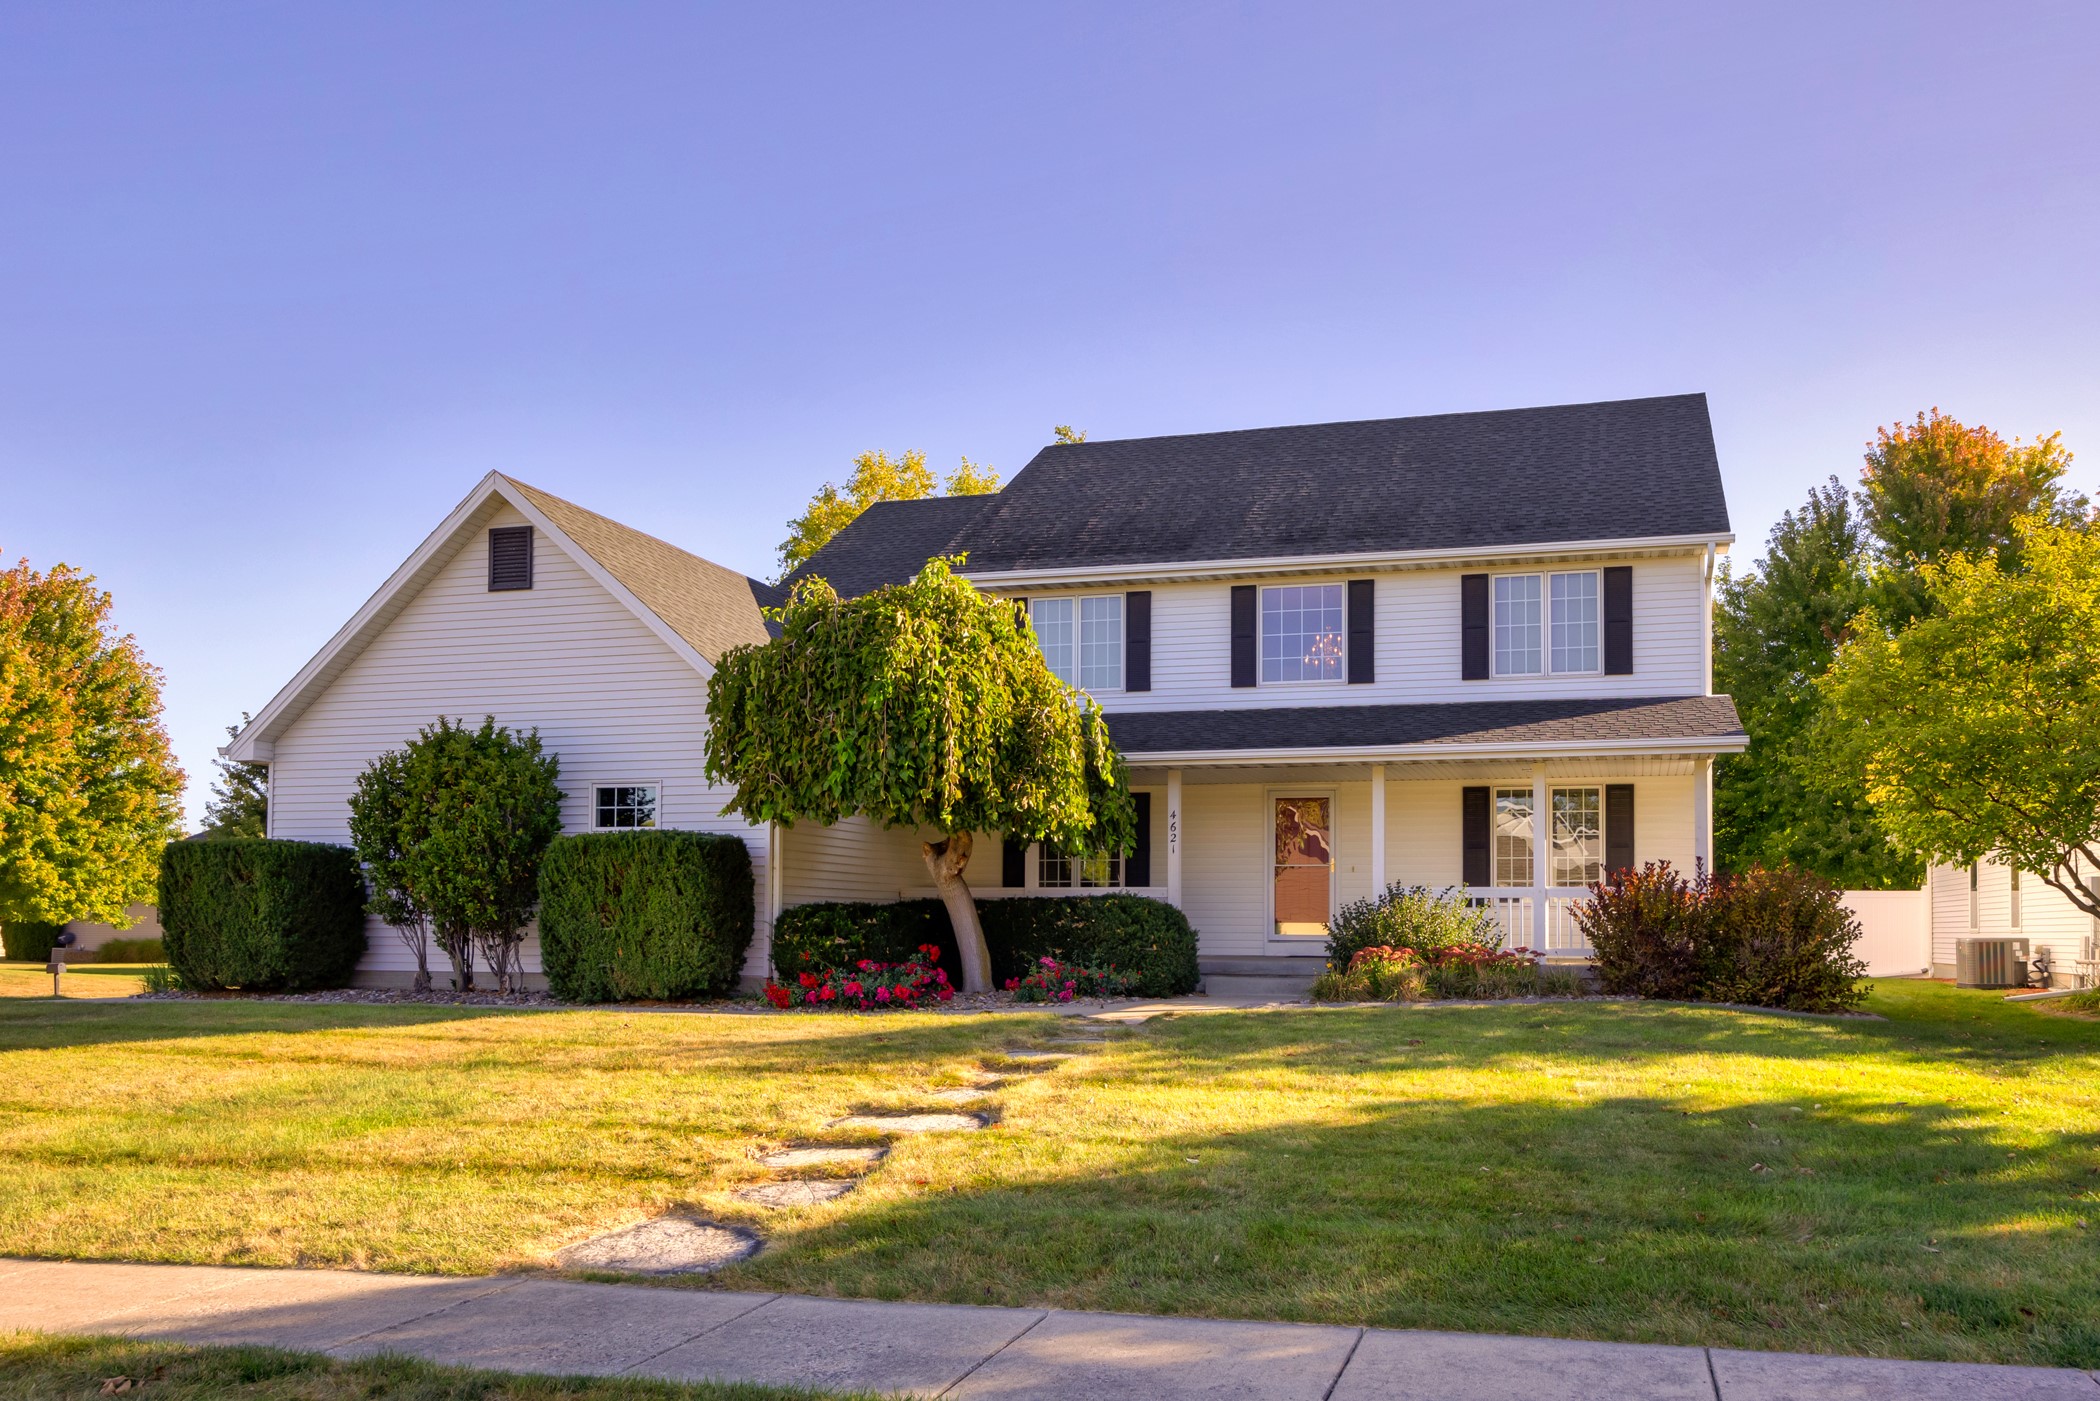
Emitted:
<point x="852" y="987"/>
<point x="1065" y="996"/>
<point x="882" y="994"/>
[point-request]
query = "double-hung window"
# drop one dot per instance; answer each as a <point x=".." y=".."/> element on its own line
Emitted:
<point x="1082" y="639"/>
<point x="1575" y="836"/>
<point x="1547" y="623"/>
<point x="1093" y="870"/>
<point x="622" y="805"/>
<point x="1301" y="633"/>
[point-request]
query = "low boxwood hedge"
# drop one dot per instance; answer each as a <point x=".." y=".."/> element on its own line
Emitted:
<point x="840" y="933"/>
<point x="262" y="914"/>
<point x="1132" y="932"/>
<point x="649" y="914"/>
<point x="29" y="940"/>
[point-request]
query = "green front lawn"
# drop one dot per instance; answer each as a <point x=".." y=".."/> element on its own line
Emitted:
<point x="80" y="980"/>
<point x="34" y="1367"/>
<point x="1909" y="1187"/>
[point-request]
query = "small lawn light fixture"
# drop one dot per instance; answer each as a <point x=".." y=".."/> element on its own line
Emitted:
<point x="57" y="966"/>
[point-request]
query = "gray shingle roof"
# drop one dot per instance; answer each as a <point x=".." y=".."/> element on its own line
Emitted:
<point x="1140" y="732"/>
<point x="888" y="542"/>
<point x="1623" y="469"/>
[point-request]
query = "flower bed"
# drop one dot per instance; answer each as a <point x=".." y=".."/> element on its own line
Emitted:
<point x="1385" y="973"/>
<point x="1051" y="981"/>
<point x="868" y="986"/>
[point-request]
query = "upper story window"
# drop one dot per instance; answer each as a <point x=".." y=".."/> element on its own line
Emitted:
<point x="1547" y="622"/>
<point x="625" y="805"/>
<point x="1301" y="633"/>
<point x="1082" y="639"/>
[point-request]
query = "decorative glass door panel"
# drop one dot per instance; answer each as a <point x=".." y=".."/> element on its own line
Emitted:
<point x="1304" y="864"/>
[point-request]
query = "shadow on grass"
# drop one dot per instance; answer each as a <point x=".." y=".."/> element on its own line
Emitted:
<point x="1831" y="1220"/>
<point x="43" y="1024"/>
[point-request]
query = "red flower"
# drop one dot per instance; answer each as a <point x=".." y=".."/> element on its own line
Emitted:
<point x="852" y="987"/>
<point x="947" y="993"/>
<point x="777" y="995"/>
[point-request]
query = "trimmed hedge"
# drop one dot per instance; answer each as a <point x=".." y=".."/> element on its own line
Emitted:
<point x="840" y="933"/>
<point x="262" y="914"/>
<point x="1135" y="933"/>
<point x="30" y="940"/>
<point x="647" y="914"/>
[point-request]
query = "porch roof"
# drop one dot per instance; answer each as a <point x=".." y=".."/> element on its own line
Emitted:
<point x="1650" y="724"/>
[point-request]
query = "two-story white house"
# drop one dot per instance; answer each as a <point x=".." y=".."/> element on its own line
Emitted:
<point x="1460" y="650"/>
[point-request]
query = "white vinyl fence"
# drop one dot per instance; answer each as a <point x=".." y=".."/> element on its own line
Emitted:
<point x="1895" y="930"/>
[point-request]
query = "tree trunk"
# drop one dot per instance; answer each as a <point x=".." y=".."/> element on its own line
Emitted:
<point x="945" y="860"/>
<point x="459" y="947"/>
<point x="417" y="937"/>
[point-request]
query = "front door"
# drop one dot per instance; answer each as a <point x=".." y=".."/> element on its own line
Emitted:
<point x="1304" y="865"/>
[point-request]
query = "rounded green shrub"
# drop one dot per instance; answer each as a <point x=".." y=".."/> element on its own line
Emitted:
<point x="644" y="914"/>
<point x="1131" y="933"/>
<point x="29" y="940"/>
<point x="840" y="933"/>
<point x="261" y="914"/>
<point x="1408" y="917"/>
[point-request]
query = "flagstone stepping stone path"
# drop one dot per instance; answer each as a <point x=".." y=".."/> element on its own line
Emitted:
<point x="925" y="1122"/>
<point x="1039" y="1055"/>
<point x="824" y="1157"/>
<point x="963" y="1095"/>
<point x="800" y="1191"/>
<point x="668" y="1245"/>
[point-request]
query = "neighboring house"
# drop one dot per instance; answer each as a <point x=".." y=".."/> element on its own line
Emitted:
<point x="1467" y="649"/>
<point x="1988" y="900"/>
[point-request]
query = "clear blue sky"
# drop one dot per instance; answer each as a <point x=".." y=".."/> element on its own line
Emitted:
<point x="278" y="283"/>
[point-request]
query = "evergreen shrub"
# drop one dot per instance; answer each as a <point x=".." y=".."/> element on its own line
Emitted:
<point x="841" y="933"/>
<point x="29" y="940"/>
<point x="1148" y="939"/>
<point x="644" y="914"/>
<point x="261" y="914"/>
<point x="1408" y="917"/>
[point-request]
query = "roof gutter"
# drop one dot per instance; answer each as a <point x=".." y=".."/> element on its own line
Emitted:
<point x="1320" y="564"/>
<point x="1373" y="753"/>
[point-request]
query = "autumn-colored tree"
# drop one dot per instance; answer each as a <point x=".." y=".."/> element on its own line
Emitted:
<point x="924" y="704"/>
<point x="1066" y="433"/>
<point x="876" y="477"/>
<point x="1972" y="727"/>
<point x="88" y="788"/>
<point x="1936" y="488"/>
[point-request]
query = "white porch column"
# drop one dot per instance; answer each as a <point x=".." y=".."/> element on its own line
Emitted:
<point x="1174" y="838"/>
<point x="1541" y="848"/>
<point x="1377" y="830"/>
<point x="1703" y="812"/>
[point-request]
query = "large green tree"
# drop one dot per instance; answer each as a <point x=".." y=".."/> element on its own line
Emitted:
<point x="1776" y="629"/>
<point x="925" y="704"/>
<point x="455" y="824"/>
<point x="876" y="477"/>
<point x="89" y="791"/>
<point x="1973" y="726"/>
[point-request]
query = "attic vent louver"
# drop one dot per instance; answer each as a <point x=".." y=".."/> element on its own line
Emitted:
<point x="510" y="557"/>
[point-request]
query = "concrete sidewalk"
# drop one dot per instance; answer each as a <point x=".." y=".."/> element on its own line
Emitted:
<point x="543" y="1325"/>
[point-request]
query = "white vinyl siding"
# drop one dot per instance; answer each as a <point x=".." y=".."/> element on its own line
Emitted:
<point x="607" y="695"/>
<point x="1417" y="646"/>
<point x="2046" y="917"/>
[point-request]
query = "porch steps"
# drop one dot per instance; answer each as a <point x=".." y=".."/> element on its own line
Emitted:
<point x="1283" y="977"/>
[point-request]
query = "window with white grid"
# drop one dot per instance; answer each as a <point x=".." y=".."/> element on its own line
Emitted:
<point x="1056" y="635"/>
<point x="1575" y="616"/>
<point x="1301" y="633"/>
<point x="1101" y="643"/>
<point x="1578" y="836"/>
<point x="1519" y="626"/>
<point x="1513" y="836"/>
<point x="624" y="805"/>
<point x="1097" y="870"/>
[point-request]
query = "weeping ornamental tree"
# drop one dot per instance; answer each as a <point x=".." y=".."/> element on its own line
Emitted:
<point x="925" y="704"/>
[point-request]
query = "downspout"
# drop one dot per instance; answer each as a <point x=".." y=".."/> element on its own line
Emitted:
<point x="1706" y="590"/>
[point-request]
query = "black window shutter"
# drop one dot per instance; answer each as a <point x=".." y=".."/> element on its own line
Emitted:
<point x="510" y="557"/>
<point x="1618" y="829"/>
<point x="1137" y="865"/>
<point x="1473" y="627"/>
<point x="1243" y="635"/>
<point x="1013" y="862"/>
<point x="1363" y="639"/>
<point x="1618" y="621"/>
<point x="1021" y="611"/>
<point x="1474" y="809"/>
<point x="1137" y="640"/>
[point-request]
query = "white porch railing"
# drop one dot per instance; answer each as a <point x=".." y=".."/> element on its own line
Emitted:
<point x="1514" y="912"/>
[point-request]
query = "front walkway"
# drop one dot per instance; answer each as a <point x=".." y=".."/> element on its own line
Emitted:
<point x="544" y="1325"/>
